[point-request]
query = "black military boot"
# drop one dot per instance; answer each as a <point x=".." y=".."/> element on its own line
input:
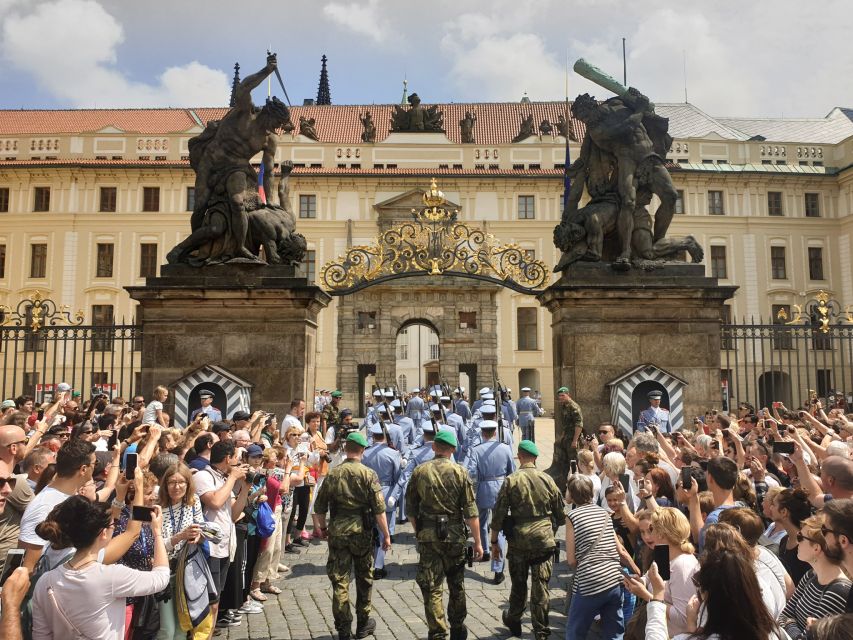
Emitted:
<point x="459" y="633"/>
<point x="344" y="634"/>
<point x="366" y="628"/>
<point x="514" y="627"/>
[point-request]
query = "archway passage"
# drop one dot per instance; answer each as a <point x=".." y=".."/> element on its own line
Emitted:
<point x="418" y="355"/>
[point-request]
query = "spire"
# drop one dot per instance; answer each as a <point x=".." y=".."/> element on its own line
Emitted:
<point x="405" y="99"/>
<point x="323" y="95"/>
<point x="234" y="84"/>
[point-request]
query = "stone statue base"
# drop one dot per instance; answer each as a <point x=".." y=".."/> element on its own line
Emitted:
<point x="605" y="323"/>
<point x="257" y="321"/>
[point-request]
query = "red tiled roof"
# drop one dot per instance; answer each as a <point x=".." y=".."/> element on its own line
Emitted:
<point x="53" y="121"/>
<point x="497" y="122"/>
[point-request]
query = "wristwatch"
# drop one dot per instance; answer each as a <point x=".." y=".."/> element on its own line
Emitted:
<point x="118" y="504"/>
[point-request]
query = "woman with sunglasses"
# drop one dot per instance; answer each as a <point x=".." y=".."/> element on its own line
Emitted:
<point x="791" y="507"/>
<point x="84" y="598"/>
<point x="824" y="589"/>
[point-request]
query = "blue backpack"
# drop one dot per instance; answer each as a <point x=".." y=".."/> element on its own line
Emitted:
<point x="265" y="521"/>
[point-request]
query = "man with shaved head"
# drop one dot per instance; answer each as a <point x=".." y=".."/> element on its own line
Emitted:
<point x="13" y="445"/>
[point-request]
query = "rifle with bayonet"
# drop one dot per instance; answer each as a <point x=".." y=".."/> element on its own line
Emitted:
<point x="382" y="422"/>
<point x="499" y="406"/>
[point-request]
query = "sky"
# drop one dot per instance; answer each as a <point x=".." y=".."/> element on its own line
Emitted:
<point x="758" y="58"/>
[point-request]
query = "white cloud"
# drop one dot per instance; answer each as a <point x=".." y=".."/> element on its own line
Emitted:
<point x="69" y="48"/>
<point x="363" y="19"/>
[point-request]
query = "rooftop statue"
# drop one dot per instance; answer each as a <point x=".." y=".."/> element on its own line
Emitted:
<point x="526" y="129"/>
<point x="466" y="126"/>
<point x="621" y="166"/>
<point x="369" y="133"/>
<point x="417" y="118"/>
<point x="307" y="128"/>
<point x="565" y="128"/>
<point x="545" y="128"/>
<point x="231" y="219"/>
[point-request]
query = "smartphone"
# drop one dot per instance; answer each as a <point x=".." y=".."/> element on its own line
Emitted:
<point x="40" y="415"/>
<point x="625" y="481"/>
<point x="112" y="440"/>
<point x="14" y="559"/>
<point x="661" y="557"/>
<point x="573" y="466"/>
<point x="302" y="448"/>
<point x="777" y="405"/>
<point x="783" y="447"/>
<point x="130" y="465"/>
<point x="686" y="478"/>
<point x="142" y="514"/>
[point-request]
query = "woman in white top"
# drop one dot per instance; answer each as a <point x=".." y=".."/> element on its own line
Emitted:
<point x="84" y="598"/>
<point x="153" y="413"/>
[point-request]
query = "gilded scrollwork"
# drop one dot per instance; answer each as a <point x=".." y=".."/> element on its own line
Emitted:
<point x="36" y="312"/>
<point x="434" y="242"/>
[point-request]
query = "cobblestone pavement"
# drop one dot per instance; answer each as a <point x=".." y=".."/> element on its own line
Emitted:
<point x="303" y="610"/>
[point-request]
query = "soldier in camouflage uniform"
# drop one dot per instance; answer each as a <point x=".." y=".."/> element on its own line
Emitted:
<point x="331" y="414"/>
<point x="352" y="493"/>
<point x="440" y="501"/>
<point x="566" y="448"/>
<point x="534" y="504"/>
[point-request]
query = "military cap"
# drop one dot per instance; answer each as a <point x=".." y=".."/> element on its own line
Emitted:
<point x="389" y="393"/>
<point x="523" y="389"/>
<point x="204" y="393"/>
<point x="395" y="404"/>
<point x="416" y="390"/>
<point x="654" y="395"/>
<point x="445" y="398"/>
<point x="446" y="436"/>
<point x="378" y="392"/>
<point x="435" y="408"/>
<point x="488" y="424"/>
<point x="427" y="427"/>
<point x="382" y="408"/>
<point x="488" y="396"/>
<point x="488" y="408"/>
<point x="484" y="390"/>
<point x="528" y="446"/>
<point x="376" y="429"/>
<point x="563" y="390"/>
<point x="337" y="394"/>
<point x="358" y="438"/>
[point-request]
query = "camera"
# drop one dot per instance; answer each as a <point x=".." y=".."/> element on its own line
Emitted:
<point x="254" y="476"/>
<point x="588" y="438"/>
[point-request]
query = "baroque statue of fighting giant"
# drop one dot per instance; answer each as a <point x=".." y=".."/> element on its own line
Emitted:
<point x="621" y="166"/>
<point x="232" y="219"/>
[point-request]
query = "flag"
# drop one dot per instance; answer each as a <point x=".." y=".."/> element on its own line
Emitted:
<point x="262" y="196"/>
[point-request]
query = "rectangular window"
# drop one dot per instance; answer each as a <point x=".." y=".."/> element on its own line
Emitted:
<point x="2" y="261"/>
<point x="781" y="336"/>
<point x="190" y="198"/>
<point x="715" y="203"/>
<point x="366" y="319"/>
<point x="4" y="199"/>
<point x="434" y="353"/>
<point x="815" y="263"/>
<point x="526" y="208"/>
<point x="308" y="206"/>
<point x="38" y="260"/>
<point x="104" y="267"/>
<point x="108" y="200"/>
<point x="778" y="268"/>
<point x="42" y="199"/>
<point x="526" y="323"/>
<point x="151" y="199"/>
<point x="148" y="260"/>
<point x="812" y="205"/>
<point x="403" y="351"/>
<point x="774" y="203"/>
<point x="102" y="316"/>
<point x="824" y="382"/>
<point x="308" y="268"/>
<point x="679" y="201"/>
<point x="467" y="319"/>
<point x="719" y="267"/>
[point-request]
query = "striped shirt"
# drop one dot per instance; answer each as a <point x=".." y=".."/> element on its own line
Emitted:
<point x="598" y="568"/>
<point x="813" y="600"/>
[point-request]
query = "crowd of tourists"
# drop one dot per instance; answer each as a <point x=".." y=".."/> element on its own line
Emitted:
<point x="736" y="526"/>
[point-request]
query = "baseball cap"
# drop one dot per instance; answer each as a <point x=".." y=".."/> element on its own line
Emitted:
<point x="254" y="450"/>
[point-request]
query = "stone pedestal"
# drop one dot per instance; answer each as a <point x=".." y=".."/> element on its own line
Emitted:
<point x="605" y="323"/>
<point x="257" y="321"/>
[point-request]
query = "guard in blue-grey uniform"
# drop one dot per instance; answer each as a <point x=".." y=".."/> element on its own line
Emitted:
<point x="488" y="464"/>
<point x="416" y="409"/>
<point x="453" y="421"/>
<point x="206" y="398"/>
<point x="480" y="399"/>
<point x="655" y="415"/>
<point x="489" y="412"/>
<point x="460" y="404"/>
<point x="370" y="418"/>
<point x="395" y="433"/>
<point x="387" y="464"/>
<point x="432" y="418"/>
<point x="528" y="410"/>
<point x="410" y="436"/>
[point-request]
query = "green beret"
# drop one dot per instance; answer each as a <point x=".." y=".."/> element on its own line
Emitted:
<point x="358" y="438"/>
<point x="528" y="446"/>
<point x="337" y="394"/>
<point x="563" y="390"/>
<point x="445" y="436"/>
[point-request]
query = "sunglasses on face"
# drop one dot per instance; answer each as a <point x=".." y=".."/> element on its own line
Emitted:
<point x="824" y="530"/>
<point x="801" y="537"/>
<point x="11" y="480"/>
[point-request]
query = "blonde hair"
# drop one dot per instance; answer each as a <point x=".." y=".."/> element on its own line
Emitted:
<point x="673" y="526"/>
<point x="585" y="458"/>
<point x="772" y="492"/>
<point x="160" y="390"/>
<point x="269" y="452"/>
<point x="613" y="464"/>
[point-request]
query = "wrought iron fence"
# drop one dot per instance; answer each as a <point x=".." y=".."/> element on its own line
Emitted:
<point x="763" y="363"/>
<point x="90" y="358"/>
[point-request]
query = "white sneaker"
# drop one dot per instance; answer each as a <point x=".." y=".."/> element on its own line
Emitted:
<point x="250" y="607"/>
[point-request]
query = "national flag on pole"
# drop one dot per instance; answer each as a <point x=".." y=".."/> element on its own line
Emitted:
<point x="262" y="196"/>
